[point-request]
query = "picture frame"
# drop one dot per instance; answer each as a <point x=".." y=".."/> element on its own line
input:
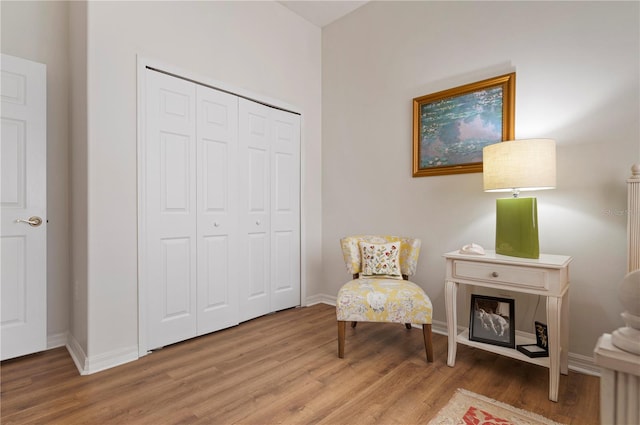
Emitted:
<point x="532" y="350"/>
<point x="451" y="127"/>
<point x="541" y="347"/>
<point x="492" y="320"/>
<point x="542" y="340"/>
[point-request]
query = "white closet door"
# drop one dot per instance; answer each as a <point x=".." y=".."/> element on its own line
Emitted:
<point x="23" y="196"/>
<point x="255" y="140"/>
<point x="218" y="234"/>
<point x="170" y="209"/>
<point x="285" y="210"/>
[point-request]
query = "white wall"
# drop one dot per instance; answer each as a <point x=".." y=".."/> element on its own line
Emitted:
<point x="261" y="47"/>
<point x="78" y="107"/>
<point x="38" y="31"/>
<point x="577" y="81"/>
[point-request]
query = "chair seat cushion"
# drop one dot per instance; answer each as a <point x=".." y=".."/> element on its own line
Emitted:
<point x="383" y="300"/>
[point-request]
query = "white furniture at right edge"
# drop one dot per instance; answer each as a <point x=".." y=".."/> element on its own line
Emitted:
<point x="547" y="276"/>
<point x="617" y="353"/>
<point x="619" y="383"/>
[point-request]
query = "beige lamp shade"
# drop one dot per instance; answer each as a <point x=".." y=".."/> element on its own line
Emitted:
<point x="528" y="164"/>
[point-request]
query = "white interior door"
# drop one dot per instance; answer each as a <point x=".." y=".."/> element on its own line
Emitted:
<point x="171" y="213"/>
<point x="254" y="161"/>
<point x="285" y="210"/>
<point x="23" y="200"/>
<point x="217" y="186"/>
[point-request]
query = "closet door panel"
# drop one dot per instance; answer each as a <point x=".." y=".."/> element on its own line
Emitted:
<point x="217" y="186"/>
<point x="217" y="305"/>
<point x="170" y="175"/>
<point x="257" y="252"/>
<point x="285" y="210"/>
<point x="176" y="260"/>
<point x="254" y="139"/>
<point x="283" y="280"/>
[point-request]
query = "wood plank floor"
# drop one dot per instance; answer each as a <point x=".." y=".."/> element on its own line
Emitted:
<point x="283" y="368"/>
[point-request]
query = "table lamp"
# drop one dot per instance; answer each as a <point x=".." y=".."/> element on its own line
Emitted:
<point x="515" y="166"/>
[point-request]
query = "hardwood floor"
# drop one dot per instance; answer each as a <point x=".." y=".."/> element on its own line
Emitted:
<point x="284" y="368"/>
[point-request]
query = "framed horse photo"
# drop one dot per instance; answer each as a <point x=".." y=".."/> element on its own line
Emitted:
<point x="492" y="320"/>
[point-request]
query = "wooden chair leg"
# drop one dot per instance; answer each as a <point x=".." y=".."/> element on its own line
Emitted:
<point x="428" y="343"/>
<point x="407" y="325"/>
<point x="353" y="324"/>
<point x="341" y="331"/>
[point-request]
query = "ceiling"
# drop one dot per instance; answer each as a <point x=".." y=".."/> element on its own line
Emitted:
<point x="321" y="13"/>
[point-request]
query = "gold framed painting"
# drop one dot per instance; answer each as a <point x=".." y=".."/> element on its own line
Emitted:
<point x="451" y="127"/>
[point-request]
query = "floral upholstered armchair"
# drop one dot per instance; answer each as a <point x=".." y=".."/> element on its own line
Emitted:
<point x="380" y="290"/>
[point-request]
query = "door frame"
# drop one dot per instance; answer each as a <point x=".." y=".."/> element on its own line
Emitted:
<point x="142" y="63"/>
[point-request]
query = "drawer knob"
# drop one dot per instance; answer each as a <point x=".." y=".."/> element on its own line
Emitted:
<point x="494" y="274"/>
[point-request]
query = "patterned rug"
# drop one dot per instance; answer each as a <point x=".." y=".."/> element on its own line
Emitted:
<point x="467" y="408"/>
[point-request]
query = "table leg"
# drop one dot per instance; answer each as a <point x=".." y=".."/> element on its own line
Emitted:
<point x="564" y="335"/>
<point x="554" y="309"/>
<point x="450" y="294"/>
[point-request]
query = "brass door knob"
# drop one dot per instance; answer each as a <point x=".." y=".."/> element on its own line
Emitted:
<point x="32" y="221"/>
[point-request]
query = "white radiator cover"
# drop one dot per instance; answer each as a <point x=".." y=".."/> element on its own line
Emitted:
<point x="619" y="383"/>
<point x="620" y="374"/>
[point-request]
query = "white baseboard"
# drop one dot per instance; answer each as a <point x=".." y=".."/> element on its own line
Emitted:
<point x="320" y="299"/>
<point x="577" y="362"/>
<point x="439" y="327"/>
<point x="77" y="354"/>
<point x="583" y="364"/>
<point x="87" y="365"/>
<point x="57" y="340"/>
<point x="111" y="359"/>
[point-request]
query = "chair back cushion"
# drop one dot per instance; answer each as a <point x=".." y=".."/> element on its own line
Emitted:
<point x="409" y="251"/>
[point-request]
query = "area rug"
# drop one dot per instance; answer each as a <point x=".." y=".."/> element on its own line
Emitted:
<point x="467" y="408"/>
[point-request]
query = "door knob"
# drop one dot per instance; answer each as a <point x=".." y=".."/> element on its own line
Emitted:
<point x="32" y="221"/>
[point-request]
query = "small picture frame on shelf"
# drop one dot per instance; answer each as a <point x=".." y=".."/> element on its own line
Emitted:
<point x="492" y="321"/>
<point x="541" y="347"/>
<point x="532" y="350"/>
<point x="542" y="340"/>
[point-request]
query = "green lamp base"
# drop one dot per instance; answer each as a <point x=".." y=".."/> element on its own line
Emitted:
<point x="517" y="227"/>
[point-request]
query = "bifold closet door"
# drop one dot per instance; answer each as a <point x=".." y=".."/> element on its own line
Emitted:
<point x="191" y="209"/>
<point x="269" y="141"/>
<point x="285" y="210"/>
<point x="218" y="234"/>
<point x="170" y="209"/>
<point x="220" y="209"/>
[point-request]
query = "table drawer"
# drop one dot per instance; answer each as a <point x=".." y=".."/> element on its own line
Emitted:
<point x="530" y="277"/>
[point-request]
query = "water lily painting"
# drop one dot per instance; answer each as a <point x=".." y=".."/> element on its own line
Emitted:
<point x="451" y="127"/>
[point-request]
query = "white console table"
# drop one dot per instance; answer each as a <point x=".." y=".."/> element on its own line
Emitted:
<point x="547" y="276"/>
